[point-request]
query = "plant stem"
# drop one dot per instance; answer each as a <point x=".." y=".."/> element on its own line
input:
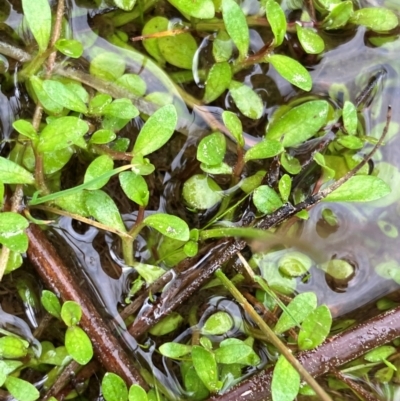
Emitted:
<point x="323" y="396"/>
<point x="127" y="243"/>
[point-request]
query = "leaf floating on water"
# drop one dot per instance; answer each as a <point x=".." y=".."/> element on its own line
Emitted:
<point x="375" y="18"/>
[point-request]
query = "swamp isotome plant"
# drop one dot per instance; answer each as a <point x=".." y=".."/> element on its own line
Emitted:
<point x="313" y="148"/>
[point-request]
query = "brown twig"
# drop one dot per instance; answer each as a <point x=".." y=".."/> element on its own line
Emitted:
<point x="58" y="277"/>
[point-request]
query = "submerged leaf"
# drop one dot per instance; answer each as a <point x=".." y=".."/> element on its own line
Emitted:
<point x="246" y="100"/>
<point x="285" y="381"/>
<point x="375" y="18"/>
<point x="201" y="192"/>
<point x="211" y="149"/>
<point x="266" y="199"/>
<point x="218" y="81"/>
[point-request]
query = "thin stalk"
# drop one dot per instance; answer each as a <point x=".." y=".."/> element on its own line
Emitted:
<point x="323" y="396"/>
<point x="127" y="243"/>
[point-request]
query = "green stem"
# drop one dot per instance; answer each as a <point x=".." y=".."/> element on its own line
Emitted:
<point x="323" y="396"/>
<point x="127" y="243"/>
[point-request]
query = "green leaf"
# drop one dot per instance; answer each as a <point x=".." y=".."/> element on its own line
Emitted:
<point x="78" y="345"/>
<point x="202" y="9"/>
<point x="71" y="313"/>
<point x="299" y="308"/>
<point x="221" y="168"/>
<point x="350" y="142"/>
<point x="360" y="188"/>
<point x="47" y="102"/>
<point x="59" y="93"/>
<point x="7" y="367"/>
<point x="126" y="5"/>
<point x="11" y="231"/>
<point x="168" y="225"/>
<point x="211" y="149"/>
<point x="192" y="382"/>
<point x="150" y="273"/>
<point x="102" y="136"/>
<point x="376" y="18"/>
<point x="266" y="199"/>
<point x="380" y="353"/>
<point x="218" y="323"/>
<point x="103" y="209"/>
<point x="55" y="356"/>
<point x="178" y="50"/>
<point x="292" y="71"/>
<point x="234" y="125"/>
<point x="175" y="350"/>
<point x="12" y="173"/>
<point x="218" y="80"/>
<point x="62" y="133"/>
<point x="285" y="383"/>
<point x="12" y="347"/>
<point x="294" y="264"/>
<point x="233" y="350"/>
<point x="264" y="150"/>
<point x="98" y="103"/>
<point x="137" y="393"/>
<point x="285" y="187"/>
<point x="290" y="163"/>
<point x="51" y="303"/>
<point x="122" y="109"/>
<point x="206" y="367"/>
<point x="236" y="26"/>
<point x="38" y="17"/>
<point x="167" y="324"/>
<point x="277" y="20"/>
<point x="222" y="47"/>
<point x="299" y="123"/>
<point x="135" y="187"/>
<point x="339" y="16"/>
<point x="14" y="262"/>
<point x="69" y="47"/>
<point x="157" y="130"/>
<point x="114" y="388"/>
<point x="134" y="83"/>
<point x="246" y="100"/>
<point x="350" y="119"/>
<point x="21" y="390"/>
<point x="315" y="328"/>
<point x="338" y="268"/>
<point x="310" y="41"/>
<point x="98" y="167"/>
<point x="108" y="66"/>
<point x="154" y="25"/>
<point x="25" y="128"/>
<point x="201" y="192"/>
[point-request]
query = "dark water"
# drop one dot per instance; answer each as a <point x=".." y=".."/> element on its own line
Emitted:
<point x="360" y="236"/>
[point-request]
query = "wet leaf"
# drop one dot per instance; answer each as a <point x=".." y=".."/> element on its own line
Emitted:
<point x="285" y="187"/>
<point x="233" y="350"/>
<point x="178" y="50"/>
<point x="234" y="125"/>
<point x="211" y="149"/>
<point x="263" y="150"/>
<point x="98" y="103"/>
<point x="315" y="328"/>
<point x="310" y="41"/>
<point x="96" y="168"/>
<point x="218" y="81"/>
<point x="12" y="173"/>
<point x="202" y="9"/>
<point x="133" y="82"/>
<point x="206" y="367"/>
<point x="137" y="393"/>
<point x="38" y="16"/>
<point x="246" y="100"/>
<point x="56" y="356"/>
<point x="157" y="131"/>
<point x="294" y="264"/>
<point x="103" y="209"/>
<point x="266" y="199"/>
<point x="221" y="168"/>
<point x="12" y="347"/>
<point x="376" y="18"/>
<point x="61" y="133"/>
<point x="78" y="345"/>
<point x="285" y="381"/>
<point x="218" y="323"/>
<point x="300" y="123"/>
<point x="167" y="324"/>
<point x="292" y="71"/>
<point x="222" y="47"/>
<point x="108" y="66"/>
<point x="175" y="350"/>
<point x="154" y="25"/>
<point x="11" y="231"/>
<point x="192" y="382"/>
<point x="150" y="273"/>
<point x="277" y="20"/>
<point x="69" y="47"/>
<point x="122" y="109"/>
<point x="51" y="303"/>
<point x="350" y="142"/>
<point x="25" y="128"/>
<point x="339" y="15"/>
<point x="14" y="262"/>
<point x="350" y="119"/>
<point x="135" y="187"/>
<point x="47" y="102"/>
<point x="102" y="136"/>
<point x="126" y="5"/>
<point x="380" y="353"/>
<point x="236" y="26"/>
<point x="168" y="225"/>
<point x="299" y="308"/>
<point x="360" y="188"/>
<point x="114" y="388"/>
<point x="21" y="390"/>
<point x="71" y="313"/>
